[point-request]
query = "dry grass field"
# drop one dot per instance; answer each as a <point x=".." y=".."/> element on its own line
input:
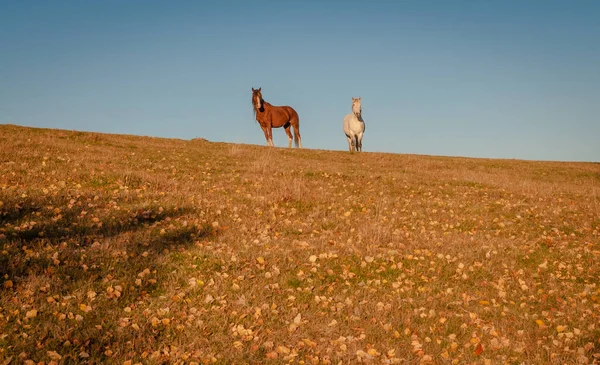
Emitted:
<point x="123" y="250"/>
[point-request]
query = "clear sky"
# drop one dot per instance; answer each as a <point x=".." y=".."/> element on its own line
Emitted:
<point x="476" y="78"/>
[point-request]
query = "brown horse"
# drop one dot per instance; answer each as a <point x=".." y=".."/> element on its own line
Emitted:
<point x="270" y="116"/>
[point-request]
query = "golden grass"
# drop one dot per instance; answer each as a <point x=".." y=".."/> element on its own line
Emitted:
<point x="123" y="249"/>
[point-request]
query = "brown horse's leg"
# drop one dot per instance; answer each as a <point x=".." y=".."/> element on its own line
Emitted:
<point x="270" y="129"/>
<point x="289" y="134"/>
<point x="266" y="134"/>
<point x="297" y="139"/>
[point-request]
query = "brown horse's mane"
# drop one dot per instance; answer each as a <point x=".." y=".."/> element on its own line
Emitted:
<point x="254" y="108"/>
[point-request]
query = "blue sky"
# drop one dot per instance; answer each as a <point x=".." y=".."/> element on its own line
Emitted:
<point x="476" y="78"/>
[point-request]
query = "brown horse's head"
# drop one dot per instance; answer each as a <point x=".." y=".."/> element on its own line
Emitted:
<point x="257" y="100"/>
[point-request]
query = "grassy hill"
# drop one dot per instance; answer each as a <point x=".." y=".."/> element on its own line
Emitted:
<point x="124" y="249"/>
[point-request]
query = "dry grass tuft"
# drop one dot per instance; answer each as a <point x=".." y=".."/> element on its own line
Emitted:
<point x="124" y="249"/>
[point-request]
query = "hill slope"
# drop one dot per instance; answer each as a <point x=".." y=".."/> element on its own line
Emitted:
<point x="122" y="248"/>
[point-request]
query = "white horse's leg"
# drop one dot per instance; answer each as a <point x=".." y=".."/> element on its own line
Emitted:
<point x="349" y="143"/>
<point x="359" y="141"/>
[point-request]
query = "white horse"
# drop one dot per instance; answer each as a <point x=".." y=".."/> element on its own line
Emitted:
<point x="354" y="126"/>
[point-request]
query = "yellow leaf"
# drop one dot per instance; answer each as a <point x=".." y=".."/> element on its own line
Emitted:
<point x="31" y="314"/>
<point x="373" y="352"/>
<point x="426" y="359"/>
<point x="54" y="355"/>
<point x="560" y="329"/>
<point x="540" y="323"/>
<point x="283" y="350"/>
<point x="309" y="342"/>
<point x="85" y="308"/>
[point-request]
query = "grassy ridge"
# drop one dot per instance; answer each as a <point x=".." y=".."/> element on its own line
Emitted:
<point x="124" y="249"/>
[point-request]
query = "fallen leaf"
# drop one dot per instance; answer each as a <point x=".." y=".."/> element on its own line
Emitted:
<point x="478" y="349"/>
<point x="54" y="355"/>
<point x="31" y="314"/>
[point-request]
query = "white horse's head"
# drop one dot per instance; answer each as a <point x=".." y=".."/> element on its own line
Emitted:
<point x="356" y="108"/>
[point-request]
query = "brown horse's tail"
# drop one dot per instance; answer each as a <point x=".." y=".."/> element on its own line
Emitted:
<point x="295" y="122"/>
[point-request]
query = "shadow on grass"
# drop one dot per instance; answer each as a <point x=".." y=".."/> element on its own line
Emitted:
<point x="78" y="254"/>
<point x="29" y="230"/>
